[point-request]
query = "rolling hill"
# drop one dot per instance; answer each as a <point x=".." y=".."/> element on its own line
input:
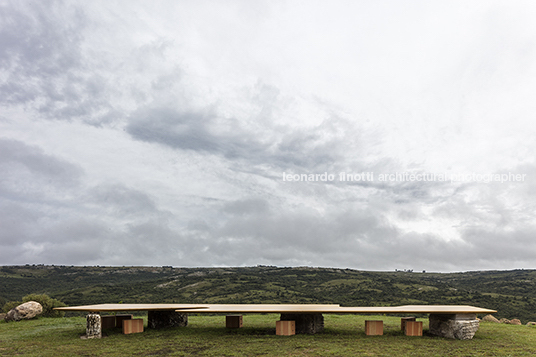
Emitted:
<point x="509" y="292"/>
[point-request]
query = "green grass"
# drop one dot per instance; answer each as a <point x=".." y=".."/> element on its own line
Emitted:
<point x="207" y="336"/>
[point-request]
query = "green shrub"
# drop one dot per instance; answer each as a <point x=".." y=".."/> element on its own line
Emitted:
<point x="47" y="303"/>
<point x="9" y="305"/>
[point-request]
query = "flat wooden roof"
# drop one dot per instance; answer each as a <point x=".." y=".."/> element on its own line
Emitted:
<point x="130" y="307"/>
<point x="285" y="308"/>
<point x="417" y="309"/>
<point x="336" y="309"/>
<point x="264" y="308"/>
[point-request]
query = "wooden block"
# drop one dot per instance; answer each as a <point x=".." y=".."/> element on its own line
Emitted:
<point x="403" y="322"/>
<point x="373" y="327"/>
<point x="119" y="319"/>
<point x="233" y="321"/>
<point x="285" y="328"/>
<point x="413" y="328"/>
<point x="108" y="321"/>
<point x="132" y="326"/>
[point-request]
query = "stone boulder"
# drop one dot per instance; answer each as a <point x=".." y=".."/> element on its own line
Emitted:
<point x="490" y="318"/>
<point x="531" y="323"/>
<point x="504" y="321"/>
<point x="515" y="322"/>
<point x="457" y="326"/>
<point x="2" y="316"/>
<point x="25" y="311"/>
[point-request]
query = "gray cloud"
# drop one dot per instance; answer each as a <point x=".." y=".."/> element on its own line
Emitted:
<point x="30" y="174"/>
<point x="118" y="200"/>
<point x="46" y="69"/>
<point x="319" y="148"/>
<point x="13" y="152"/>
<point x="247" y="207"/>
<point x="190" y="131"/>
<point x="12" y="220"/>
<point x="48" y="215"/>
<point x="158" y="135"/>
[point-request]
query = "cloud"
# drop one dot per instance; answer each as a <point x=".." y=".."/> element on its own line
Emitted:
<point x="49" y="214"/>
<point x="318" y="148"/>
<point x="159" y="135"/>
<point x="31" y="174"/>
<point x="45" y="66"/>
<point x="190" y="131"/>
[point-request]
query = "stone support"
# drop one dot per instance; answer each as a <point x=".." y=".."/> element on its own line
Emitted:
<point x="456" y="326"/>
<point x="306" y="323"/>
<point x="166" y="318"/>
<point x="93" y="326"/>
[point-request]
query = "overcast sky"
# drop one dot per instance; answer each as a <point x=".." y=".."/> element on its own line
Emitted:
<point x="173" y="133"/>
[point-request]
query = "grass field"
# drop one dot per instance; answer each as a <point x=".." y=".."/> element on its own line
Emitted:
<point x="206" y="336"/>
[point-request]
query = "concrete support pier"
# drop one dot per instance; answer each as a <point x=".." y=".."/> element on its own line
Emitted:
<point x="456" y="326"/>
<point x="93" y="326"/>
<point x="166" y="318"/>
<point x="306" y="323"/>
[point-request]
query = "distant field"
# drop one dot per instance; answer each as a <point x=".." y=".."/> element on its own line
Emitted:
<point x="207" y="336"/>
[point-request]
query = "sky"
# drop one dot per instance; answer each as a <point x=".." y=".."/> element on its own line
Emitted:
<point x="371" y="135"/>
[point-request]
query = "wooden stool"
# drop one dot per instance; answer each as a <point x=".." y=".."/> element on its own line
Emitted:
<point x="107" y="321"/>
<point x="403" y="322"/>
<point x="132" y="326"/>
<point x="119" y="319"/>
<point x="373" y="327"/>
<point x="233" y="321"/>
<point x="413" y="328"/>
<point x="285" y="328"/>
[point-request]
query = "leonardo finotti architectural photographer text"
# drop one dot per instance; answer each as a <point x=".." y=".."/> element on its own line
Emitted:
<point x="405" y="177"/>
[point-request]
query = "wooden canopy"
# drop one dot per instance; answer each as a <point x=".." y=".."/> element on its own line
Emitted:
<point x="284" y="308"/>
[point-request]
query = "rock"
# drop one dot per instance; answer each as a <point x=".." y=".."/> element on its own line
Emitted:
<point x="166" y="318"/>
<point x="531" y="323"/>
<point x="93" y="326"/>
<point x="490" y="318"/>
<point x="2" y="316"/>
<point x="25" y="311"/>
<point x="504" y="321"/>
<point x="457" y="326"/>
<point x="514" y="322"/>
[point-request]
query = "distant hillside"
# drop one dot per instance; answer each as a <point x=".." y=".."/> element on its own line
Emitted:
<point x="509" y="292"/>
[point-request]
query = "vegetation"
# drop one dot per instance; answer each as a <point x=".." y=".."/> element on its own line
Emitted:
<point x="509" y="292"/>
<point x="46" y="302"/>
<point x="206" y="336"/>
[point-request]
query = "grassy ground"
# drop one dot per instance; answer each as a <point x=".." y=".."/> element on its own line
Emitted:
<point x="207" y="336"/>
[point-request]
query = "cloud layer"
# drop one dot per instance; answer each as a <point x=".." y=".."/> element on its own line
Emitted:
<point x="172" y="134"/>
